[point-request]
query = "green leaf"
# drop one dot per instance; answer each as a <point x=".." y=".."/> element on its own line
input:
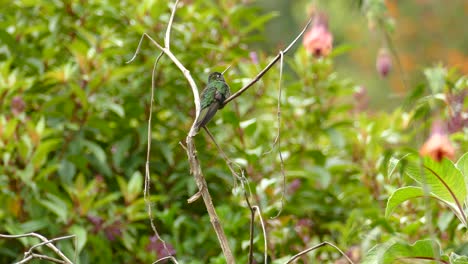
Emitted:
<point x="121" y="150"/>
<point x="66" y="171"/>
<point x="56" y="206"/>
<point x="402" y="252"/>
<point x="436" y="78"/>
<point x="401" y="195"/>
<point x="106" y="200"/>
<point x="134" y="186"/>
<point x="80" y="94"/>
<point x="81" y="236"/>
<point x="457" y="259"/>
<point x="392" y="164"/>
<point x="444" y="180"/>
<point x="462" y="165"/>
<point x="10" y="128"/>
<point x="444" y="220"/>
<point x="113" y="107"/>
<point x="34" y="225"/>
<point x="96" y="150"/>
<point x="258" y="23"/>
<point x="44" y="149"/>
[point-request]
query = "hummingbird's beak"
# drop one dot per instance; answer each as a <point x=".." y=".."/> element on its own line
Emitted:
<point x="227" y="68"/>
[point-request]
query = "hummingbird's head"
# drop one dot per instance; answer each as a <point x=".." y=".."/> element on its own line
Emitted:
<point x="215" y="76"/>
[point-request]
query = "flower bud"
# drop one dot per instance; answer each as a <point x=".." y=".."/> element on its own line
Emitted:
<point x="384" y="62"/>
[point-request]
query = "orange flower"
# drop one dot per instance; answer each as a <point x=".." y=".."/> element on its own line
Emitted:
<point x="438" y="145"/>
<point x="318" y="40"/>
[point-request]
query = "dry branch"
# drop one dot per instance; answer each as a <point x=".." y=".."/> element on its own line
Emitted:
<point x="29" y="255"/>
<point x="304" y="252"/>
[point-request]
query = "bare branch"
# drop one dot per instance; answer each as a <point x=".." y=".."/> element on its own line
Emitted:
<point x="278" y="138"/>
<point x="267" y="68"/>
<point x="146" y="192"/>
<point x="265" y="239"/>
<point x="139" y="46"/>
<point x="39" y="256"/>
<point x="169" y="26"/>
<point x="165" y="258"/>
<point x="203" y="189"/>
<point x="45" y="241"/>
<point x="314" y="248"/>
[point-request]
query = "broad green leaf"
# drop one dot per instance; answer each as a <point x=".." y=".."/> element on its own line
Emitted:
<point x="66" y="171"/>
<point x="462" y="165"/>
<point x="257" y="23"/>
<point x="401" y="195"/>
<point x="444" y="220"/>
<point x="135" y="185"/>
<point x="96" y="150"/>
<point x="81" y="236"/>
<point x="436" y="78"/>
<point x="402" y="252"/>
<point x="80" y="94"/>
<point x="40" y="126"/>
<point x="10" y="128"/>
<point x="457" y="259"/>
<point x="444" y="180"/>
<point x="44" y="149"/>
<point x="121" y="150"/>
<point x="57" y="206"/>
<point x="392" y="164"/>
<point x="106" y="200"/>
<point x="34" y="225"/>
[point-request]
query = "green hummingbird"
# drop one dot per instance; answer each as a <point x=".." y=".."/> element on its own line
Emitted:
<point x="212" y="98"/>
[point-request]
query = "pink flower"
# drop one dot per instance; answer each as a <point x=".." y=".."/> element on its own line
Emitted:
<point x="384" y="62"/>
<point x="318" y="40"/>
<point x="438" y="145"/>
<point x="17" y="105"/>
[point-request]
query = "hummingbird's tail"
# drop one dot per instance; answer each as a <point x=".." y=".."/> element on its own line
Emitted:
<point x="208" y="115"/>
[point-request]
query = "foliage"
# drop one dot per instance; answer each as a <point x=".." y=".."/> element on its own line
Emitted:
<point x="73" y="130"/>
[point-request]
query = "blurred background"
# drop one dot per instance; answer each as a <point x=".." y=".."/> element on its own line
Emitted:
<point x="423" y="33"/>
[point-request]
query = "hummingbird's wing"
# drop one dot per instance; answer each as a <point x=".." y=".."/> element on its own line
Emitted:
<point x="207" y="96"/>
<point x="224" y="91"/>
<point x="207" y="114"/>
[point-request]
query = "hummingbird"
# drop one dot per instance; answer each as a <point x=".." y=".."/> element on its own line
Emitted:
<point x="212" y="98"/>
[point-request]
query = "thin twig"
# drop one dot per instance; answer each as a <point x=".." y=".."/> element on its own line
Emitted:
<point x="267" y="68"/>
<point x="47" y="242"/>
<point x="167" y="39"/>
<point x="146" y="191"/>
<point x="188" y="76"/>
<point x="265" y="240"/>
<point x="229" y="162"/>
<point x="39" y="256"/>
<point x="278" y="139"/>
<point x="43" y="239"/>
<point x="165" y="258"/>
<point x="252" y="221"/>
<point x="314" y="248"/>
<point x="394" y="51"/>
<point x="147" y="184"/>
<point x="243" y="181"/>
